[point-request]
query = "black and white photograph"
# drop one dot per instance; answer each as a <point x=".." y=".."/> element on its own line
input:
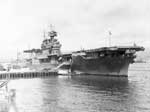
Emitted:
<point x="74" y="56"/>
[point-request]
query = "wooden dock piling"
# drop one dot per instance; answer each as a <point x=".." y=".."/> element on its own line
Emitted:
<point x="15" y="75"/>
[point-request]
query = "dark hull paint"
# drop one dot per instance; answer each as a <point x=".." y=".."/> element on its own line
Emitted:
<point x="110" y="66"/>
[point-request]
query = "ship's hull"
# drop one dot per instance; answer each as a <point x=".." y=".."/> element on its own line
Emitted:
<point x="42" y="66"/>
<point x="110" y="66"/>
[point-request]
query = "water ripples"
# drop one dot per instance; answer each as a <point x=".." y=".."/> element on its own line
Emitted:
<point x="82" y="93"/>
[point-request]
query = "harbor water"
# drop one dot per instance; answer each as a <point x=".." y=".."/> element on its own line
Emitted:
<point x="79" y="93"/>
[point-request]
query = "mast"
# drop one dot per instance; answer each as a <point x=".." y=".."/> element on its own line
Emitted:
<point x="18" y="54"/>
<point x="52" y="33"/>
<point x="109" y="38"/>
<point x="44" y="35"/>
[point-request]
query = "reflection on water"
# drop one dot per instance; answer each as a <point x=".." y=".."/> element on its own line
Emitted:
<point x="93" y="93"/>
<point x="9" y="97"/>
<point x="80" y="93"/>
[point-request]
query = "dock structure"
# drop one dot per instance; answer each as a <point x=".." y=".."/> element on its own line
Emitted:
<point x="16" y="75"/>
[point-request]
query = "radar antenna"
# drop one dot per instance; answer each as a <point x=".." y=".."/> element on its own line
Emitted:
<point x="52" y="33"/>
<point x="51" y="27"/>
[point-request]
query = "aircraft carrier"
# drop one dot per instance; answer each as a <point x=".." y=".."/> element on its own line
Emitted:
<point x="110" y="61"/>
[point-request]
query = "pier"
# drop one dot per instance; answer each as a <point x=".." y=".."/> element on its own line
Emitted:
<point x="16" y="75"/>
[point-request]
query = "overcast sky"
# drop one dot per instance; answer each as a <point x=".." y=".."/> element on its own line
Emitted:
<point x="79" y="23"/>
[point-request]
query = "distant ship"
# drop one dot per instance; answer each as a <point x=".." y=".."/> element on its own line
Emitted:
<point x="110" y="61"/>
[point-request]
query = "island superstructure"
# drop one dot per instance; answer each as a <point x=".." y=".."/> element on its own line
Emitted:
<point x="110" y="61"/>
<point x="49" y="52"/>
